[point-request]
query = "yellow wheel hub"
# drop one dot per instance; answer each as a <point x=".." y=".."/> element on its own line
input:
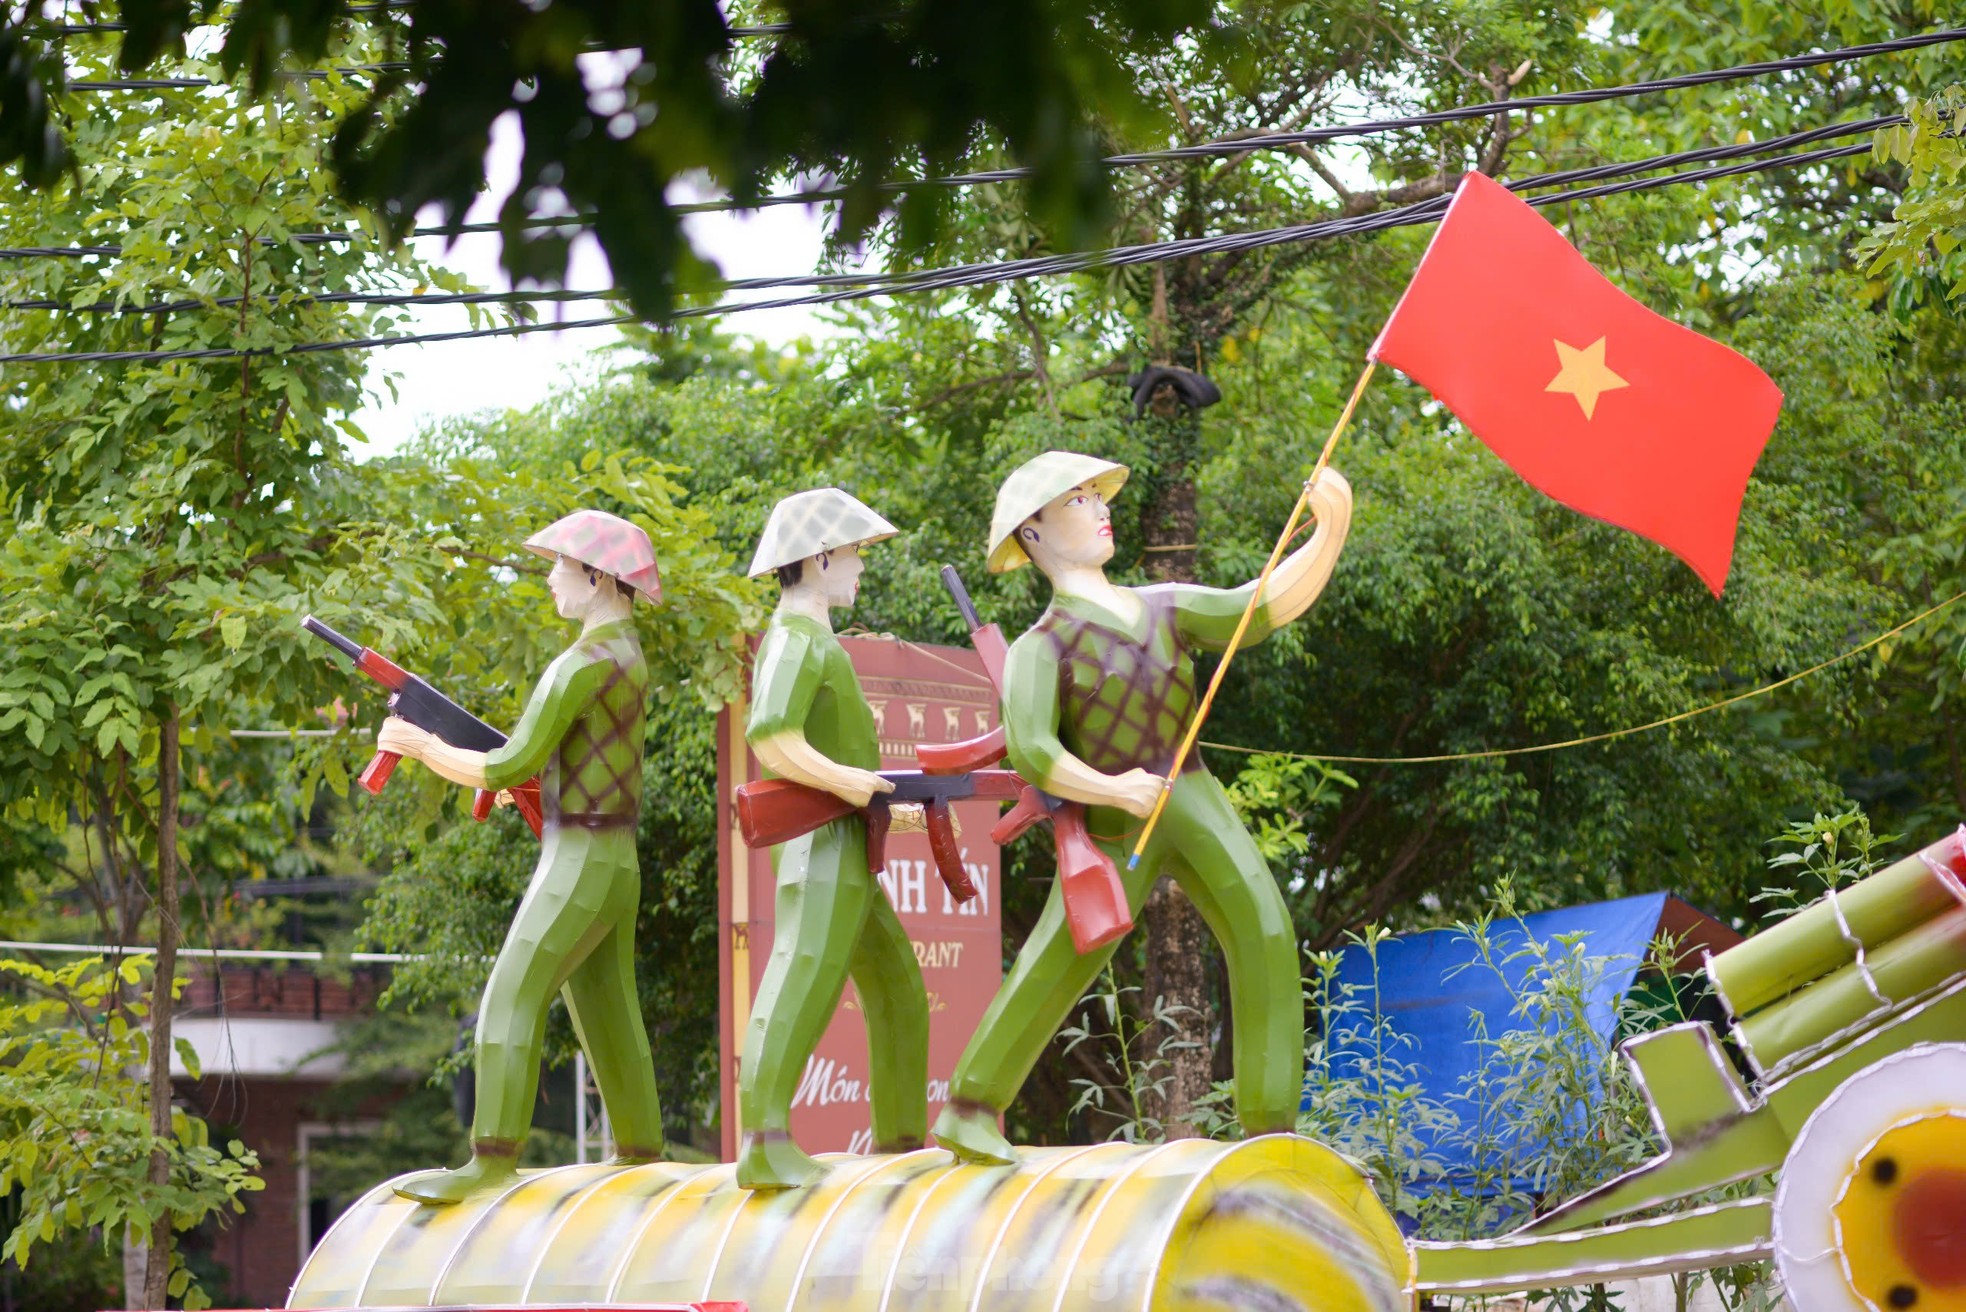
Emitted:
<point x="1901" y="1216"/>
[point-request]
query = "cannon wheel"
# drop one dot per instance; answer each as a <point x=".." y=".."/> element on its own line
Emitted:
<point x="1870" y="1212"/>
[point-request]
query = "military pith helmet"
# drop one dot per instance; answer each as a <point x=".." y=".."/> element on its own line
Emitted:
<point x="807" y="523"/>
<point x="1034" y="485"/>
<point x="604" y="542"/>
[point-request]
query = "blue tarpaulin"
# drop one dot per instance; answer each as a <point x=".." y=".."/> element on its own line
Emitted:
<point x="1432" y="997"/>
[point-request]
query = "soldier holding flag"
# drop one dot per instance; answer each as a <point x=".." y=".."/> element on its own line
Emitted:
<point x="1096" y="696"/>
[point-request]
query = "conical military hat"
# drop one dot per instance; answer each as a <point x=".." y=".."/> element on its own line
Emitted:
<point x="604" y="542"/>
<point x="1032" y="486"/>
<point x="807" y="523"/>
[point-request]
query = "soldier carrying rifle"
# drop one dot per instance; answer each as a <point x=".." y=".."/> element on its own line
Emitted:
<point x="574" y="930"/>
<point x="811" y="724"/>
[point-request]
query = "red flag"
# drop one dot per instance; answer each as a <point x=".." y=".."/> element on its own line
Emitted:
<point x="1588" y="395"/>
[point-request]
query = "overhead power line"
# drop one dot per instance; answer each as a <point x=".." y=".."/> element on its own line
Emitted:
<point x="205" y="83"/>
<point x="899" y="281"/>
<point x="1372" y="127"/>
<point x="89" y="29"/>
<point x="1118" y="257"/>
<point x="1427" y="211"/>
<point x="185" y="305"/>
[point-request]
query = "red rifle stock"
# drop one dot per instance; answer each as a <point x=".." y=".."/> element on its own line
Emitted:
<point x="772" y="811"/>
<point x="1096" y="909"/>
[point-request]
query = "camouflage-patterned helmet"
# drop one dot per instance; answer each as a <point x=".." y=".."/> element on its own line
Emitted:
<point x="604" y="542"/>
<point x="807" y="523"/>
<point x="1032" y="486"/>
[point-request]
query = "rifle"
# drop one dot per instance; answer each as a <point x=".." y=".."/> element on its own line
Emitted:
<point x="422" y="705"/>
<point x="1088" y="880"/>
<point x="771" y="811"/>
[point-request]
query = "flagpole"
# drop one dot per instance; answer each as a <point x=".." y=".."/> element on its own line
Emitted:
<point x="1249" y="612"/>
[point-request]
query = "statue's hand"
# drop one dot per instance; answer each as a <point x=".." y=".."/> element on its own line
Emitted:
<point x="1136" y="791"/>
<point x="1330" y="489"/>
<point x="858" y="787"/>
<point x="403" y="738"/>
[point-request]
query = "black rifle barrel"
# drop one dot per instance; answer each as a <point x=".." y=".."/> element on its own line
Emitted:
<point x="346" y="646"/>
<point x="954" y="582"/>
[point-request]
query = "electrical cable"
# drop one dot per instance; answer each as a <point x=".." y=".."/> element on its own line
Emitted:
<point x="1426" y="211"/>
<point x="1372" y="127"/>
<point x="971" y="275"/>
<point x="1731" y="151"/>
<point x="311" y="348"/>
<point x="326" y="298"/>
<point x="202" y="83"/>
<point x="88" y="29"/>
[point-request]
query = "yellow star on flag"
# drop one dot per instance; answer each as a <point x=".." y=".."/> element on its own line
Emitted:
<point x="1584" y="374"/>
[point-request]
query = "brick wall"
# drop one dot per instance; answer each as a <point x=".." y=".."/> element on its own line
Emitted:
<point x="283" y="991"/>
<point x="260" y="1249"/>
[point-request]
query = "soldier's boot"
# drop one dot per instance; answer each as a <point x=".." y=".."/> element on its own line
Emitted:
<point x="969" y="1130"/>
<point x="494" y="1164"/>
<point x="770" y="1160"/>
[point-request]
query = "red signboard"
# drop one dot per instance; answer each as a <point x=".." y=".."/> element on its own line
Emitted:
<point x="918" y="694"/>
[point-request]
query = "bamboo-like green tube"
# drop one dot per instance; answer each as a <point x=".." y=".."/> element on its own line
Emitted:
<point x="1903" y="968"/>
<point x="1810" y="944"/>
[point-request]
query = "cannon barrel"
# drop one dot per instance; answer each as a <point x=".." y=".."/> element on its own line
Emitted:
<point x="1919" y="959"/>
<point x="1828" y="935"/>
<point x="1273" y="1223"/>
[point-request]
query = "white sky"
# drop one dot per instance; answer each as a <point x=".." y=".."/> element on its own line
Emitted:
<point x="498" y="373"/>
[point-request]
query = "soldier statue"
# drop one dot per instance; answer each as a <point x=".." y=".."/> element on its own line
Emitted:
<point x="574" y="932"/>
<point x="1096" y="697"/>
<point x="810" y="723"/>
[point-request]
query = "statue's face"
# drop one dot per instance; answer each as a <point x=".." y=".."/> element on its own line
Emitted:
<point x="836" y="574"/>
<point x="1075" y="528"/>
<point x="572" y="588"/>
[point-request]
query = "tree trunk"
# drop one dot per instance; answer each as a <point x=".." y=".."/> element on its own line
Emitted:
<point x="135" y="1255"/>
<point x="157" y="1268"/>
<point x="1178" y="941"/>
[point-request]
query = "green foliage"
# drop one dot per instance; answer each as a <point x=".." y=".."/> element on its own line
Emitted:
<point x="1277" y="796"/>
<point x="1549" y="1111"/>
<point x="857" y="98"/>
<point x="1139" y="1050"/>
<point x="1818" y="856"/>
<point x="71" y="1272"/>
<point x="75" y="1138"/>
<point x="164" y="517"/>
<point x="1921" y="247"/>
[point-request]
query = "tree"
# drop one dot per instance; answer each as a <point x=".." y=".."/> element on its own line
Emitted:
<point x="1920" y="247"/>
<point x="166" y="516"/>
<point x="667" y="95"/>
<point x="79" y="1144"/>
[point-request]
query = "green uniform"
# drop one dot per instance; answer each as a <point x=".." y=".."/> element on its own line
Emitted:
<point x="574" y="931"/>
<point x="832" y="920"/>
<point x="1118" y="697"/>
